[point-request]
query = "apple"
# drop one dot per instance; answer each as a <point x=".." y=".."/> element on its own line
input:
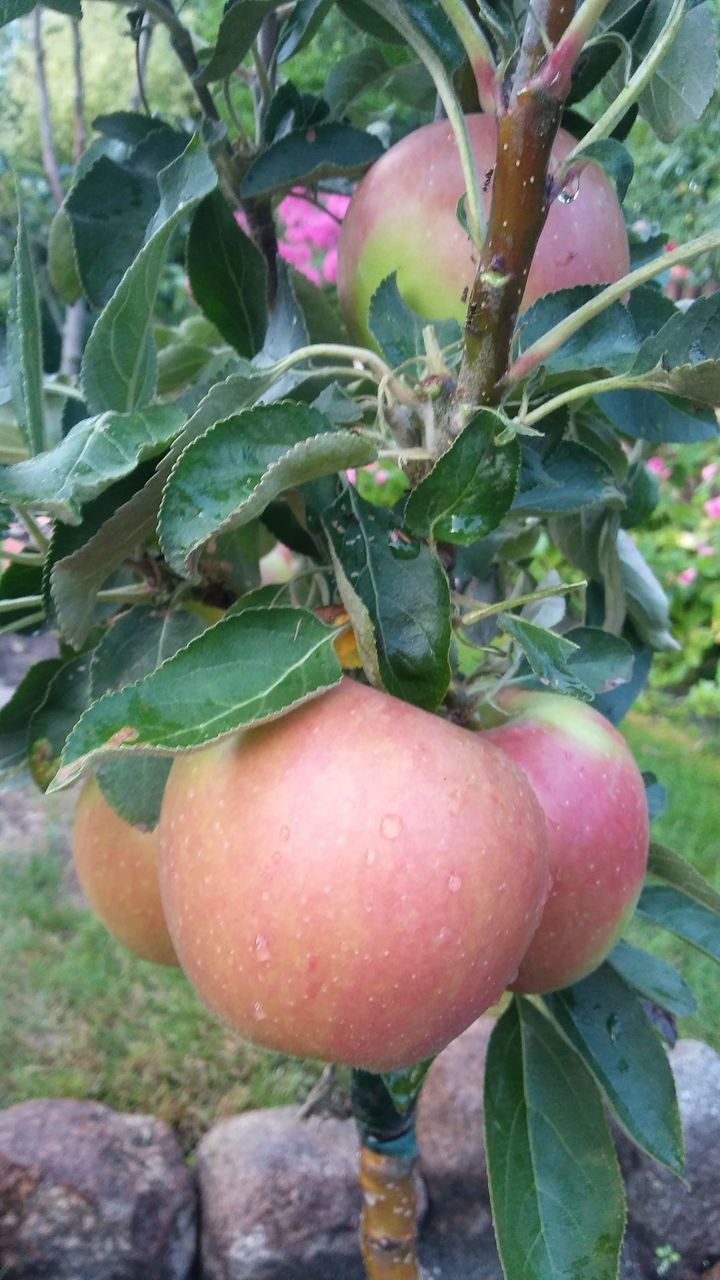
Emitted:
<point x="403" y="218"/>
<point x="117" y="866"/>
<point x="354" y="882"/>
<point x="593" y="796"/>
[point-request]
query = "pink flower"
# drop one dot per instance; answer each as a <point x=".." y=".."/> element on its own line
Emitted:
<point x="330" y="266"/>
<point x="658" y="467"/>
<point x="704" y="549"/>
<point x="351" y="474"/>
<point x="298" y="255"/>
<point x="686" y="576"/>
<point x="710" y="471"/>
<point x="337" y="206"/>
<point x="13" y="545"/>
<point x="381" y="476"/>
<point x="712" y="508"/>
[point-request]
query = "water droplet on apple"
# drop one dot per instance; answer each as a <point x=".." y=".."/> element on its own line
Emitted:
<point x="454" y="883"/>
<point x="391" y="826"/>
<point x="261" y="948"/>
<point x="259" y="1013"/>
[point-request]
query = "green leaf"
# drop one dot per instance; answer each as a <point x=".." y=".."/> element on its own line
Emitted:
<point x="605" y="1022"/>
<point x="616" y="160"/>
<point x="370" y="22"/>
<point x="123" y="520"/>
<point x="674" y="870"/>
<point x="398" y="330"/>
<point x="428" y="19"/>
<point x="244" y="671"/>
<point x="608" y="341"/>
<point x="82" y="557"/>
<point x="602" y="661"/>
<point x="130" y="127"/>
<point x="16" y="712"/>
<point x="470" y="488"/>
<point x="67" y="696"/>
<point x="644" y="415"/>
<point x="137" y="643"/>
<point x="677" y="913"/>
<point x="20" y="578"/>
<point x="119" y="364"/>
<point x="653" y="978"/>
<point x="352" y="76"/>
<point x="548" y="654"/>
<point x="299" y="29"/>
<point x="228" y="277"/>
<point x="228" y="476"/>
<point x="11" y="9"/>
<point x="91" y="456"/>
<point x="179" y="364"/>
<point x="24" y="339"/>
<point x="240" y="24"/>
<point x="135" y="787"/>
<point x="648" y="604"/>
<point x="62" y="263"/>
<point x="683" y="358"/>
<point x="109" y="208"/>
<point x="309" y="156"/>
<point x="556" y="1191"/>
<point x="682" y="86"/>
<point x="405" y="591"/>
<point x="404" y="1085"/>
<point x="571" y="477"/>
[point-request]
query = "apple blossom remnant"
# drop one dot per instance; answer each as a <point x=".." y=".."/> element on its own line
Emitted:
<point x="712" y="507"/>
<point x="687" y="576"/>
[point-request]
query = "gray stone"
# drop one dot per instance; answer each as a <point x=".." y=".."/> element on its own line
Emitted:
<point x="450" y="1136"/>
<point x="280" y="1198"/>
<point x="89" y="1194"/>
<point x="661" y="1210"/>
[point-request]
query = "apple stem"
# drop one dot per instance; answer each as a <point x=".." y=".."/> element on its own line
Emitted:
<point x="527" y="126"/>
<point x="388" y="1181"/>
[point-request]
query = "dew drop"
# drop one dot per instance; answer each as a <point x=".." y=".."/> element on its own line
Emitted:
<point x="261" y="948"/>
<point x="454" y="883"/>
<point x="259" y="1013"/>
<point x="391" y="826"/>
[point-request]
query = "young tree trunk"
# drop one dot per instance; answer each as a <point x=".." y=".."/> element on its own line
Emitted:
<point x="47" y="142"/>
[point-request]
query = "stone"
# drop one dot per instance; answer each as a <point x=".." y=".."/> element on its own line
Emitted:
<point x="661" y="1210"/>
<point x="450" y="1135"/>
<point x="279" y="1198"/>
<point x="89" y="1194"/>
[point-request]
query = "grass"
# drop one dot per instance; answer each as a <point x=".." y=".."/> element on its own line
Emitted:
<point x="81" y="1018"/>
<point x="686" y="760"/>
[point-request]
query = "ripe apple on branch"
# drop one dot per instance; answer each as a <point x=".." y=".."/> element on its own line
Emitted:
<point x="355" y="866"/>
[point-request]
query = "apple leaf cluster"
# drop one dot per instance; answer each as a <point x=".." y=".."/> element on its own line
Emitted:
<point x="150" y="490"/>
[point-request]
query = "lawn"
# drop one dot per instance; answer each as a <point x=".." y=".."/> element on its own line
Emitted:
<point x="686" y="760"/>
<point x="79" y="1017"/>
